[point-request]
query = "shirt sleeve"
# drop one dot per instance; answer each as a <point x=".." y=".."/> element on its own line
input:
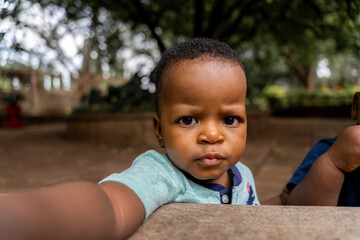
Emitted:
<point x="153" y="178"/>
<point x="315" y="152"/>
<point x="248" y="194"/>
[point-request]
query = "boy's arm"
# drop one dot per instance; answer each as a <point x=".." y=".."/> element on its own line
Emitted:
<point x="323" y="182"/>
<point x="127" y="206"/>
<point x="321" y="186"/>
<point x="78" y="210"/>
<point x="276" y="200"/>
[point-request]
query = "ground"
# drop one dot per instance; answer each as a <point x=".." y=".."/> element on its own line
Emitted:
<point x="42" y="155"/>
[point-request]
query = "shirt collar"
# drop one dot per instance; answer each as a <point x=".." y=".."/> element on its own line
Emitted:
<point x="236" y="180"/>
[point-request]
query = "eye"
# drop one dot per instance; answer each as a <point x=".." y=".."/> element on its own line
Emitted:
<point x="231" y="121"/>
<point x="187" y="121"/>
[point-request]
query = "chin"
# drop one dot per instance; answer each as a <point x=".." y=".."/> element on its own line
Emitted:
<point x="208" y="178"/>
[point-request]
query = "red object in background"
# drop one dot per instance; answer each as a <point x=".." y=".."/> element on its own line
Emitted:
<point x="13" y="111"/>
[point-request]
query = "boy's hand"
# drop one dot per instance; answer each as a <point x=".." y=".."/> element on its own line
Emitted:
<point x="345" y="152"/>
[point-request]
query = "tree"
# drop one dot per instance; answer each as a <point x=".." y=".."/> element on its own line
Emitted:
<point x="289" y="35"/>
<point x="298" y="28"/>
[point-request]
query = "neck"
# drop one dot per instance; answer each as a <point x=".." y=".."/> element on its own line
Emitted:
<point x="225" y="180"/>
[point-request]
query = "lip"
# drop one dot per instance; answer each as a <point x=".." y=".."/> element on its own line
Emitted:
<point x="210" y="159"/>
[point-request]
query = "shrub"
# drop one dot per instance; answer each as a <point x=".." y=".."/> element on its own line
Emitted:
<point x="277" y="97"/>
<point x="123" y="99"/>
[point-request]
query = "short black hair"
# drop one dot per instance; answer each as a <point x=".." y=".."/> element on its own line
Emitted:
<point x="189" y="50"/>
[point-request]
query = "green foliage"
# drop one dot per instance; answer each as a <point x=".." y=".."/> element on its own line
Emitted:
<point x="5" y="85"/>
<point x="123" y="99"/>
<point x="277" y="39"/>
<point x="256" y="103"/>
<point x="274" y="91"/>
<point x="277" y="97"/>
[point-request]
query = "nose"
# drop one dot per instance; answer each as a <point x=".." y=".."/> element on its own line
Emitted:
<point x="210" y="133"/>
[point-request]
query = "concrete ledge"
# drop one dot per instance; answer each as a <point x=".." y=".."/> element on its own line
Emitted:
<point x="200" y="221"/>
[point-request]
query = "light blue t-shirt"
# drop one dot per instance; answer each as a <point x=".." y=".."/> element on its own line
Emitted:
<point x="157" y="181"/>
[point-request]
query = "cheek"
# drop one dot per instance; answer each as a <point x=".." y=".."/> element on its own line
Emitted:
<point x="176" y="134"/>
<point x="239" y="140"/>
<point x="178" y="142"/>
<point x="178" y="152"/>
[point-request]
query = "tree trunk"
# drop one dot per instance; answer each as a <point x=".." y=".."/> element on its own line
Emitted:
<point x="310" y="85"/>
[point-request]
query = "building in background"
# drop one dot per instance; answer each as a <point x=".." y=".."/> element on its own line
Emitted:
<point x="40" y="94"/>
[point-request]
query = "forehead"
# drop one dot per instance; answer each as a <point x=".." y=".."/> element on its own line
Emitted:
<point x="201" y="79"/>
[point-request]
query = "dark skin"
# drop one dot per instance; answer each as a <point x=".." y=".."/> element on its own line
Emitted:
<point x="77" y="210"/>
<point x="322" y="184"/>
<point x="276" y="200"/>
<point x="201" y="116"/>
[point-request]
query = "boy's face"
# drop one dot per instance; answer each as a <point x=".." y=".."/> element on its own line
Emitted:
<point x="202" y="120"/>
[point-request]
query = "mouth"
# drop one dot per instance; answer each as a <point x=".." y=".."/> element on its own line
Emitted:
<point x="210" y="159"/>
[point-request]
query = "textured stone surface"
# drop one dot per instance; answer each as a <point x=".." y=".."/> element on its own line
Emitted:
<point x="200" y="221"/>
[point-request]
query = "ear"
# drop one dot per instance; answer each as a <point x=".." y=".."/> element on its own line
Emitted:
<point x="157" y="129"/>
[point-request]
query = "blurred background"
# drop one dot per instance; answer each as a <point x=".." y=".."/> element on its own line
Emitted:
<point x="57" y="54"/>
<point x="87" y="66"/>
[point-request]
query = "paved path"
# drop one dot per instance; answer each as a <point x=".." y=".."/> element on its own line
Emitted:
<point x="41" y="155"/>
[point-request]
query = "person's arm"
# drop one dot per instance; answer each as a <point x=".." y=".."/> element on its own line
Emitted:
<point x="323" y="182"/>
<point x="321" y="186"/>
<point x="315" y="152"/>
<point x="78" y="210"/>
<point x="128" y="208"/>
<point x="276" y="200"/>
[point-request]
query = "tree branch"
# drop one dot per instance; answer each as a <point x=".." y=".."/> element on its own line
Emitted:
<point x="215" y="19"/>
<point x="227" y="31"/>
<point x="198" y="18"/>
<point x="144" y="16"/>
